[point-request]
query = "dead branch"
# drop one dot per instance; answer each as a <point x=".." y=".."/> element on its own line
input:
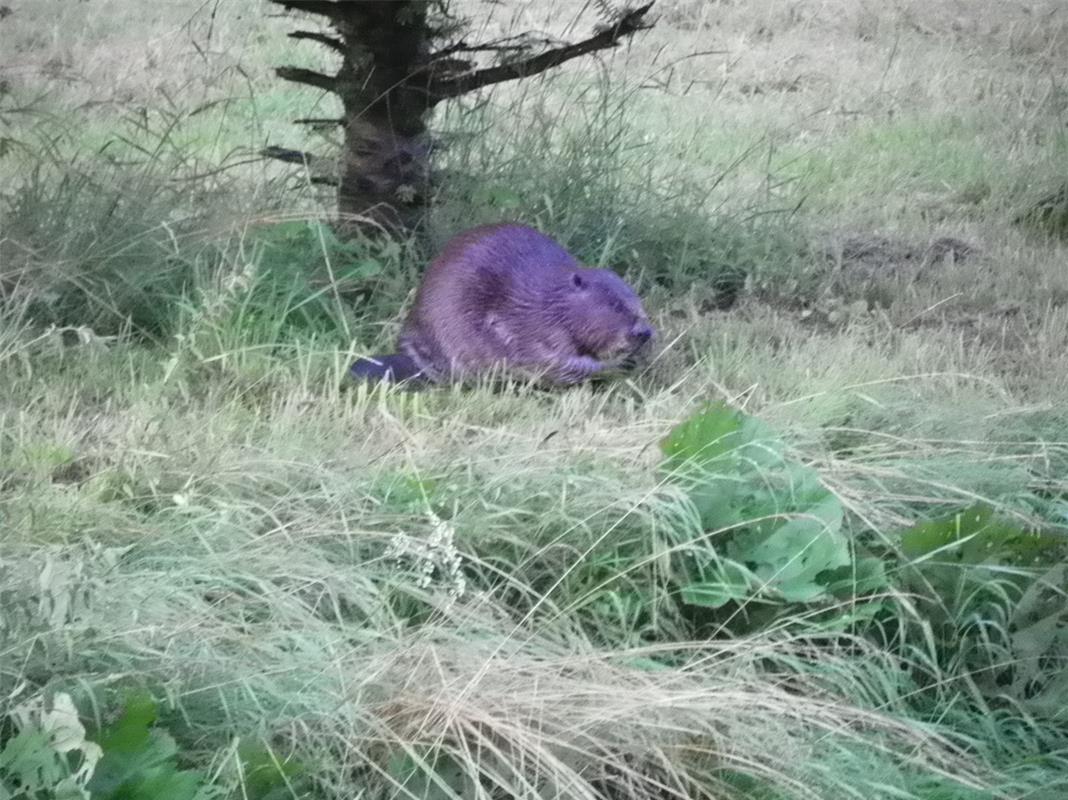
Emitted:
<point x="334" y="44"/>
<point x="287" y="155"/>
<point x="324" y="8"/>
<point x="323" y="121"/>
<point x="318" y="172"/>
<point x="630" y="22"/>
<point x="307" y="76"/>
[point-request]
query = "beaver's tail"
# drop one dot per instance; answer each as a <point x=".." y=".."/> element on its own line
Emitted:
<point x="392" y="368"/>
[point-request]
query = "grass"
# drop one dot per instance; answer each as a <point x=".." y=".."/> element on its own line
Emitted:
<point x="476" y="593"/>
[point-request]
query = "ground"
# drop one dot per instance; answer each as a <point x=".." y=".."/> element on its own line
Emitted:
<point x="818" y="201"/>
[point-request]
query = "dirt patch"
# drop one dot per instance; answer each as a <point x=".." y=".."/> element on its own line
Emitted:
<point x="867" y="258"/>
<point x="865" y="273"/>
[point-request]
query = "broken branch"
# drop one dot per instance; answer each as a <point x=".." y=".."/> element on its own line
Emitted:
<point x="631" y="22"/>
<point x="307" y="76"/>
<point x="334" y="44"/>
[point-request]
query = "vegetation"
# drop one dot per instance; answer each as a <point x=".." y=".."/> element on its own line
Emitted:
<point x="816" y="550"/>
<point x="398" y="59"/>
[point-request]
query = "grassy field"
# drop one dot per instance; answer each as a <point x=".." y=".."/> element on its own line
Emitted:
<point x="815" y="550"/>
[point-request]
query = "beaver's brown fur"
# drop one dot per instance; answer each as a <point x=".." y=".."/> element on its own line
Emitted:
<point x="506" y="295"/>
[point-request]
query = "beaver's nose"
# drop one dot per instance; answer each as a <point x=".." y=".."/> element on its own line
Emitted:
<point x="641" y="333"/>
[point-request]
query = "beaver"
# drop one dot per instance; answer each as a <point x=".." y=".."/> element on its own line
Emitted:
<point x="506" y="295"/>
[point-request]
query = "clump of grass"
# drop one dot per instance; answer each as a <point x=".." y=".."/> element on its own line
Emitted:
<point x="242" y="567"/>
<point x="102" y="248"/>
<point x="570" y="156"/>
<point x="293" y="633"/>
<point x="89" y="249"/>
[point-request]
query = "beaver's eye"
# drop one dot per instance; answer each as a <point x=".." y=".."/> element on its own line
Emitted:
<point x="577" y="281"/>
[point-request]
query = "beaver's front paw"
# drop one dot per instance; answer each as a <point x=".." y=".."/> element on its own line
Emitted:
<point x="576" y="369"/>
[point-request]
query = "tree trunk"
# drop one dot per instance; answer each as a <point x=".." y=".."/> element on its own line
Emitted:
<point x="383" y="175"/>
<point x="385" y="168"/>
<point x="389" y="81"/>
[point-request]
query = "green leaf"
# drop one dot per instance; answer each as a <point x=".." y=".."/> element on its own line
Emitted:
<point x="712" y="594"/>
<point x="863" y="577"/>
<point x="1040" y="638"/>
<point x="28" y="761"/>
<point x="704" y="437"/>
<point x="791" y="557"/>
<point x="718" y="502"/>
<point x="974" y="536"/>
<point x="159" y="782"/>
<point x="776" y="516"/>
<point x="130" y="732"/>
<point x="41" y="756"/>
<point x="730" y="582"/>
<point x="856" y="615"/>
<point x="267" y="777"/>
<point x="139" y="761"/>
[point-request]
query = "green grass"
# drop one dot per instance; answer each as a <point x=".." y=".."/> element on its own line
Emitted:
<point x="327" y="589"/>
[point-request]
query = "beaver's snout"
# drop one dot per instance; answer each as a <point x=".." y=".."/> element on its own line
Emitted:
<point x="641" y="333"/>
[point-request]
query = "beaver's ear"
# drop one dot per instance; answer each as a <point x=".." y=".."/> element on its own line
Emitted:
<point x="577" y="280"/>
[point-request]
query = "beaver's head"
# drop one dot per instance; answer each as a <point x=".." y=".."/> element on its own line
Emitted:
<point x="605" y="317"/>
